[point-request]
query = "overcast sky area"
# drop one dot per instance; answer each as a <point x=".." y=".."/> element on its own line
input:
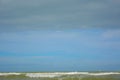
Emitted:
<point x="59" y="35"/>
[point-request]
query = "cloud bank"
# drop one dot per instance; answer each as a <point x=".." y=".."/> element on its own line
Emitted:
<point x="54" y="14"/>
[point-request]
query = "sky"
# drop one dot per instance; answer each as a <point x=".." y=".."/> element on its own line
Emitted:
<point x="59" y="35"/>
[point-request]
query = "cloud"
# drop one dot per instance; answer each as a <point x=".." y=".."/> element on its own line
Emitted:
<point x="111" y="34"/>
<point x="48" y="14"/>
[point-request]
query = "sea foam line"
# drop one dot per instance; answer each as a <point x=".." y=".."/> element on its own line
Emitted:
<point x="7" y="74"/>
<point x="58" y="74"/>
<point x="68" y="73"/>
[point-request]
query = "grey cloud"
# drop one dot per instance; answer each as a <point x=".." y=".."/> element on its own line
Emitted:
<point x="68" y="14"/>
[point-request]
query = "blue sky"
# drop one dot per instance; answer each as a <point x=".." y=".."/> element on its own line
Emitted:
<point x="59" y="35"/>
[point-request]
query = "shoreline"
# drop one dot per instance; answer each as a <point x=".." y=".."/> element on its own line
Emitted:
<point x="58" y="74"/>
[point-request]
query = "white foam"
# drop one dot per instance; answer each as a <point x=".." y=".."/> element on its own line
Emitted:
<point x="51" y="75"/>
<point x="7" y="74"/>
<point x="106" y="73"/>
<point x="58" y="74"/>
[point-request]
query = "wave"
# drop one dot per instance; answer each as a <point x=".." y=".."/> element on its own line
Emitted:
<point x="7" y="74"/>
<point x="58" y="74"/>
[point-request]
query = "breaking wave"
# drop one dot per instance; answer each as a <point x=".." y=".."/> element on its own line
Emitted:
<point x="58" y="74"/>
